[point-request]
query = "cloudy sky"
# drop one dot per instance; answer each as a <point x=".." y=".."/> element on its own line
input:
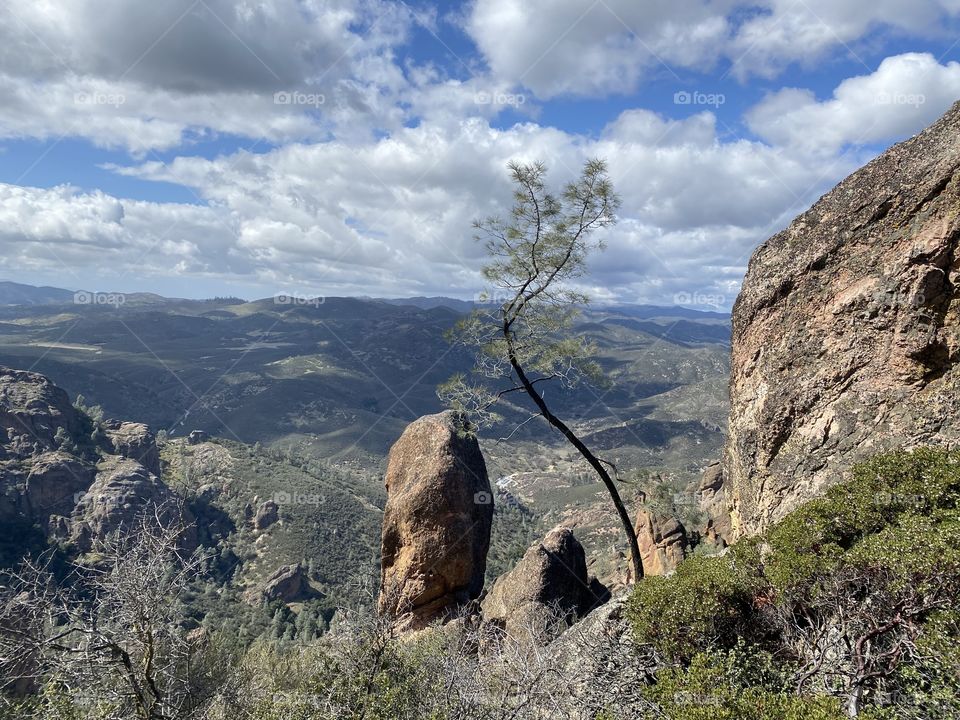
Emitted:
<point x="250" y="147"/>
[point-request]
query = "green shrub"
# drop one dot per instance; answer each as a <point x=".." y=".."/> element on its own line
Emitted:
<point x="369" y="678"/>
<point x="707" y="602"/>
<point x="931" y="687"/>
<point x="890" y="497"/>
<point x="736" y="685"/>
<point x="872" y="569"/>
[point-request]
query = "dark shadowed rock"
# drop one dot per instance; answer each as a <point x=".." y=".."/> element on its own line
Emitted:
<point x="287" y="583"/>
<point x="135" y="441"/>
<point x="197" y="436"/>
<point x="436" y="524"/>
<point x="32" y="409"/>
<point x="662" y="541"/>
<point x="549" y="583"/>
<point x="54" y="482"/>
<point x="22" y="672"/>
<point x="267" y="514"/>
<point x="846" y="333"/>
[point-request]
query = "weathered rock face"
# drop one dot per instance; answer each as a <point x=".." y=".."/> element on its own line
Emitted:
<point x="436" y="524"/>
<point x="32" y="409"/>
<point x="846" y="333"/>
<point x="267" y="514"/>
<point x="135" y="441"/>
<point x="48" y="473"/>
<point x="712" y="498"/>
<point x="122" y="491"/>
<point x="287" y="583"/>
<point x="598" y="660"/>
<point x="662" y="541"/>
<point x="549" y="581"/>
<point x="37" y="479"/>
<point x="22" y="673"/>
<point x="53" y="484"/>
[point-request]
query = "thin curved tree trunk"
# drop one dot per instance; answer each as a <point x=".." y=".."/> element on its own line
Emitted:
<point x="587" y="454"/>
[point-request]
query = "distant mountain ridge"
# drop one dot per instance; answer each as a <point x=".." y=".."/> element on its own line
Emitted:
<point x="640" y="311"/>
<point x="12" y="293"/>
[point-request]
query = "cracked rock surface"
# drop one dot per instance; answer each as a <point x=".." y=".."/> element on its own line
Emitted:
<point x="846" y="332"/>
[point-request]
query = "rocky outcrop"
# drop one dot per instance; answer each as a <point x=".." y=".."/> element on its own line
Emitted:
<point x="713" y="501"/>
<point x="549" y="584"/>
<point x="436" y="524"/>
<point x="22" y="671"/>
<point x="119" y="495"/>
<point x="846" y="333"/>
<point x="267" y="514"/>
<point x="287" y="583"/>
<point x="40" y="472"/>
<point x="663" y="542"/>
<point x="197" y="436"/>
<point x="57" y="470"/>
<point x="54" y="483"/>
<point x="598" y="659"/>
<point x="134" y="441"/>
<point x="32" y="409"/>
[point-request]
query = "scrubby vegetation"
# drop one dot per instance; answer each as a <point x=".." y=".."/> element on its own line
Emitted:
<point x="360" y="670"/>
<point x="847" y="606"/>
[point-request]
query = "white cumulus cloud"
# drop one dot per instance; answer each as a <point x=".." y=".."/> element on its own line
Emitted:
<point x="906" y="93"/>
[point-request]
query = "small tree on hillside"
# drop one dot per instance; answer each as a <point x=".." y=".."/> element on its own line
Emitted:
<point x="522" y="332"/>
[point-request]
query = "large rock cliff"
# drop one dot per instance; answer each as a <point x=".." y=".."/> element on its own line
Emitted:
<point x="845" y="334"/>
<point x="662" y="540"/>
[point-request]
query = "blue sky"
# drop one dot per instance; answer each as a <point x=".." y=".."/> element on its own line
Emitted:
<point x="213" y="147"/>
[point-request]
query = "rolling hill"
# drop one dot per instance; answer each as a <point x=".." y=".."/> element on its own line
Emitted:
<point x="338" y="380"/>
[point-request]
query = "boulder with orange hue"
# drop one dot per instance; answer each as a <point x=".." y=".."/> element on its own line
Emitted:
<point x="436" y="524"/>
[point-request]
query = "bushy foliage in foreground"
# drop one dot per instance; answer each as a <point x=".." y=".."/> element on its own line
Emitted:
<point x="847" y="608"/>
<point x="362" y="671"/>
<point x="852" y="598"/>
